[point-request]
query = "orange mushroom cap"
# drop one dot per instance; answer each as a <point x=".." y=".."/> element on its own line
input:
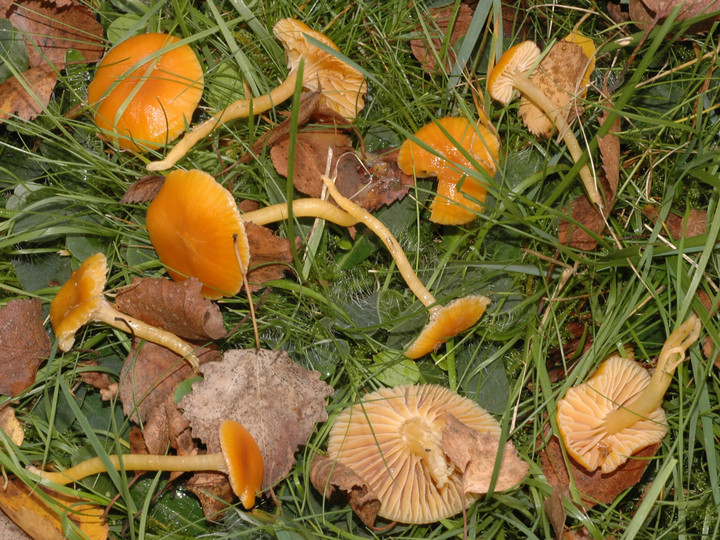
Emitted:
<point x="446" y="136"/>
<point x="192" y="223"/>
<point x="342" y="86"/>
<point x="143" y="100"/>
<point x="520" y="58"/>
<point x="446" y="322"/>
<point x="392" y="441"/>
<point x="244" y="461"/>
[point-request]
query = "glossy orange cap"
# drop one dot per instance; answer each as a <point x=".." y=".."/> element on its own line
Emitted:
<point x="243" y="460"/>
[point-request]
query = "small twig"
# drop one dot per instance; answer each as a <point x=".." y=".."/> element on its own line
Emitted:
<point x="246" y="285"/>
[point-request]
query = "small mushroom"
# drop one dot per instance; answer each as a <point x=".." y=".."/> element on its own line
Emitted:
<point x="618" y="410"/>
<point x="341" y="84"/>
<point x="392" y="440"/>
<point x="240" y="459"/>
<point x="145" y="91"/>
<point x="450" y="139"/>
<point x="509" y="74"/>
<point x="445" y="321"/>
<point x="80" y="301"/>
<point x="195" y="225"/>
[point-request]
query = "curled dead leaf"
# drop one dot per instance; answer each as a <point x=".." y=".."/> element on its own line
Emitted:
<point x="270" y="255"/>
<point x="677" y="226"/>
<point x="11" y="425"/>
<point x="438" y="22"/>
<point x="328" y="476"/>
<point x="278" y="401"/>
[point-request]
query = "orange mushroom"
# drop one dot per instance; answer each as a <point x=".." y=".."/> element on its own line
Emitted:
<point x="341" y="84"/>
<point x="240" y="459"/>
<point x="445" y="321"/>
<point x="449" y="140"/>
<point x="80" y="301"/>
<point x="145" y="91"/>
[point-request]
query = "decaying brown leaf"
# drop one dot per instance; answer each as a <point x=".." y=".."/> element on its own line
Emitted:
<point x="708" y="348"/>
<point x="213" y="491"/>
<point x="643" y="13"/>
<point x="438" y="22"/>
<point x="329" y="476"/>
<point x="43" y="520"/>
<point x="175" y="306"/>
<point x="559" y="76"/>
<point x="582" y="210"/>
<point x="24" y="344"/>
<point x="474" y="453"/>
<point x="143" y="190"/>
<point x="594" y="487"/>
<point x="11" y="425"/>
<point x="555" y="511"/>
<point x="49" y="29"/>
<point x="270" y="255"/>
<point x="278" y="401"/>
<point x="679" y="226"/>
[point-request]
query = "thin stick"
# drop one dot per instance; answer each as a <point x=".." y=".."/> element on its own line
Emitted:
<point x="247" y="290"/>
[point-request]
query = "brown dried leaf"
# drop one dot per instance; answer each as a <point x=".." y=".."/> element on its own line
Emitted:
<point x="311" y="151"/>
<point x="143" y="190"/>
<point x="150" y="374"/>
<point x="176" y="306"/>
<point x="277" y="400"/>
<point x="327" y="476"/>
<point x="594" y="487"/>
<point x="474" y="453"/>
<point x="24" y="344"/>
<point x="214" y="492"/>
<point x="98" y="379"/>
<point x="677" y="226"/>
<point x="11" y="425"/>
<point x="41" y="522"/>
<point x="270" y="255"/>
<point x="559" y="76"/>
<point x="582" y="210"/>
<point x="556" y="511"/>
<point x="644" y="12"/>
<point x="49" y="30"/>
<point x="438" y="24"/>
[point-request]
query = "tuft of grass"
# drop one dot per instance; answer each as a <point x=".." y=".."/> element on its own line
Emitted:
<point x="345" y="310"/>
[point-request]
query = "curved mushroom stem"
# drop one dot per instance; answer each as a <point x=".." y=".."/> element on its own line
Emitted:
<point x="134" y="462"/>
<point x="317" y="208"/>
<point x="382" y="232"/>
<point x="238" y="109"/>
<point x="651" y="397"/>
<point x="533" y="93"/>
<point x="111" y="316"/>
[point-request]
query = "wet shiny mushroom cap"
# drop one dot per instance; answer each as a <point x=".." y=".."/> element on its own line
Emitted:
<point x="392" y="441"/>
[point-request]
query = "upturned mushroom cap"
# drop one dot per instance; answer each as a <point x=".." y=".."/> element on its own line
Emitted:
<point x="192" y="223"/>
<point x="243" y="461"/>
<point x="581" y="413"/>
<point x="520" y="58"/>
<point x="392" y="441"/>
<point x="78" y="300"/>
<point x="143" y="100"/>
<point x="341" y="85"/>
<point x="447" y="136"/>
<point x="446" y="322"/>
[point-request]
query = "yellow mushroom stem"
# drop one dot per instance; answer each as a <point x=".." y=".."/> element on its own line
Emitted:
<point x="135" y="462"/>
<point x="111" y="316"/>
<point x="317" y="208"/>
<point x="241" y="108"/>
<point x="387" y="238"/>
<point x="534" y="94"/>
<point x="672" y="354"/>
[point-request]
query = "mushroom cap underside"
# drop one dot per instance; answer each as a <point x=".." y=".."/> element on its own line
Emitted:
<point x="156" y="98"/>
<point x="518" y="59"/>
<point x="447" y="322"/>
<point x="342" y="86"/>
<point x="376" y="439"/>
<point x="78" y="300"/>
<point x="192" y="223"/>
<point x="581" y="412"/>
<point x="243" y="460"/>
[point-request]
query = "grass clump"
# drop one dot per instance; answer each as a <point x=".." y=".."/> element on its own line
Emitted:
<point x="557" y="311"/>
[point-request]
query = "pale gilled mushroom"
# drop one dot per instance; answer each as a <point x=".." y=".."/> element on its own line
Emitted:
<point x="392" y="440"/>
<point x="618" y="410"/>
<point x="509" y="74"/>
<point x="445" y="321"/>
<point x="80" y="301"/>
<point x="240" y="459"/>
<point x="341" y="84"/>
<point x="449" y="138"/>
